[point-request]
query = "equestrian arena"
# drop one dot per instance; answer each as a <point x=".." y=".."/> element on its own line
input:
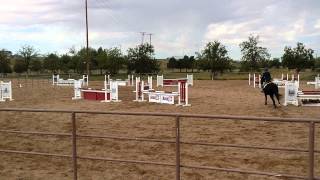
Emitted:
<point x="219" y="97"/>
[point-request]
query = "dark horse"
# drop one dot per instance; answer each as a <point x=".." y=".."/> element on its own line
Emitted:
<point x="271" y="89"/>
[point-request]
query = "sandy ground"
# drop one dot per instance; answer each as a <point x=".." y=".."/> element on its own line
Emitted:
<point x="206" y="97"/>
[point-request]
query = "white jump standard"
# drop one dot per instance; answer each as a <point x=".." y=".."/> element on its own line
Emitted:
<point x="77" y="89"/>
<point x="303" y="98"/>
<point x="130" y="80"/>
<point x="255" y="79"/>
<point x="316" y="82"/>
<point x="169" y="97"/>
<point x="142" y="88"/>
<point x="126" y="82"/>
<point x="281" y="82"/>
<point x="161" y="96"/>
<point x="173" y="82"/>
<point x="108" y="94"/>
<point x="68" y="82"/>
<point x="5" y="91"/>
<point x="111" y="91"/>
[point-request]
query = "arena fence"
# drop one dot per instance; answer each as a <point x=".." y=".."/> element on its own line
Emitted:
<point x="177" y="141"/>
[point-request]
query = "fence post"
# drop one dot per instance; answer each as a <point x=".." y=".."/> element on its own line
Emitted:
<point x="74" y="146"/>
<point x="311" y="150"/>
<point x="25" y="81"/>
<point x="177" y="147"/>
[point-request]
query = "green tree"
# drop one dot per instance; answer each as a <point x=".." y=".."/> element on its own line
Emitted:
<point x="93" y="59"/>
<point x="64" y="63"/>
<point x="252" y="53"/>
<point x="5" y="57"/>
<point x="191" y="64"/>
<point x="110" y="60"/>
<point x="275" y="62"/>
<point x="187" y="62"/>
<point x="180" y="64"/>
<point x="75" y="64"/>
<point x="317" y="64"/>
<point x="214" y="58"/>
<point x="172" y="64"/>
<point x="36" y="65"/>
<point x="115" y="60"/>
<point x="19" y="66"/>
<point x="28" y="53"/>
<point x="80" y="59"/>
<point x="298" y="58"/>
<point x="51" y="62"/>
<point x="102" y="59"/>
<point x="184" y="62"/>
<point x="198" y="62"/>
<point x="141" y="59"/>
<point x="245" y="66"/>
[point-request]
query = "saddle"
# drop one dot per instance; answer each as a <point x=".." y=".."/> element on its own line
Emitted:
<point x="264" y="84"/>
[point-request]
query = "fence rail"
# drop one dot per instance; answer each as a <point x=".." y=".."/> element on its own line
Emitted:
<point x="177" y="141"/>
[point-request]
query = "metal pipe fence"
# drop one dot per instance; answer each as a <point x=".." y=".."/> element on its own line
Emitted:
<point x="177" y="141"/>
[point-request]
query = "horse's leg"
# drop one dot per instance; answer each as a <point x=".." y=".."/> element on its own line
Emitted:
<point x="277" y="96"/>
<point x="274" y="103"/>
<point x="265" y="101"/>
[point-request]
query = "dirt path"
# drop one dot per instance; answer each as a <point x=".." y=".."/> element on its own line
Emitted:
<point x="206" y="97"/>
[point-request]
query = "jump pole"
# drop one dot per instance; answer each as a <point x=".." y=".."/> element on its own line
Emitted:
<point x="294" y="78"/>
<point x="85" y="79"/>
<point x="160" y="80"/>
<point x="114" y="91"/>
<point x="190" y="79"/>
<point x="77" y="89"/>
<point x="150" y="82"/>
<point x="107" y="78"/>
<point x="130" y="80"/>
<point x="55" y="79"/>
<point x="282" y="77"/>
<point x="106" y="83"/>
<point x="255" y="81"/>
<point x="139" y="90"/>
<point x="183" y="97"/>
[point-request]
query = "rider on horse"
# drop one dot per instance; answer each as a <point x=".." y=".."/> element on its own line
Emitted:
<point x="269" y="88"/>
<point x="265" y="78"/>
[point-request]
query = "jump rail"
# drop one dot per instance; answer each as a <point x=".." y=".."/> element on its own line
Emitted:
<point x="177" y="141"/>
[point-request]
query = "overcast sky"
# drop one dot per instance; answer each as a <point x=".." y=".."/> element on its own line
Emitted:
<point x="178" y="26"/>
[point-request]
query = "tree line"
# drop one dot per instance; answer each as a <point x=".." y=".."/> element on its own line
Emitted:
<point x="139" y="59"/>
<point x="213" y="58"/>
<point x="256" y="57"/>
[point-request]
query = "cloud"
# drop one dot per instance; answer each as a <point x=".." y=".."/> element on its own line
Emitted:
<point x="274" y="34"/>
<point x="230" y="32"/>
<point x="179" y="26"/>
<point x="317" y="25"/>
